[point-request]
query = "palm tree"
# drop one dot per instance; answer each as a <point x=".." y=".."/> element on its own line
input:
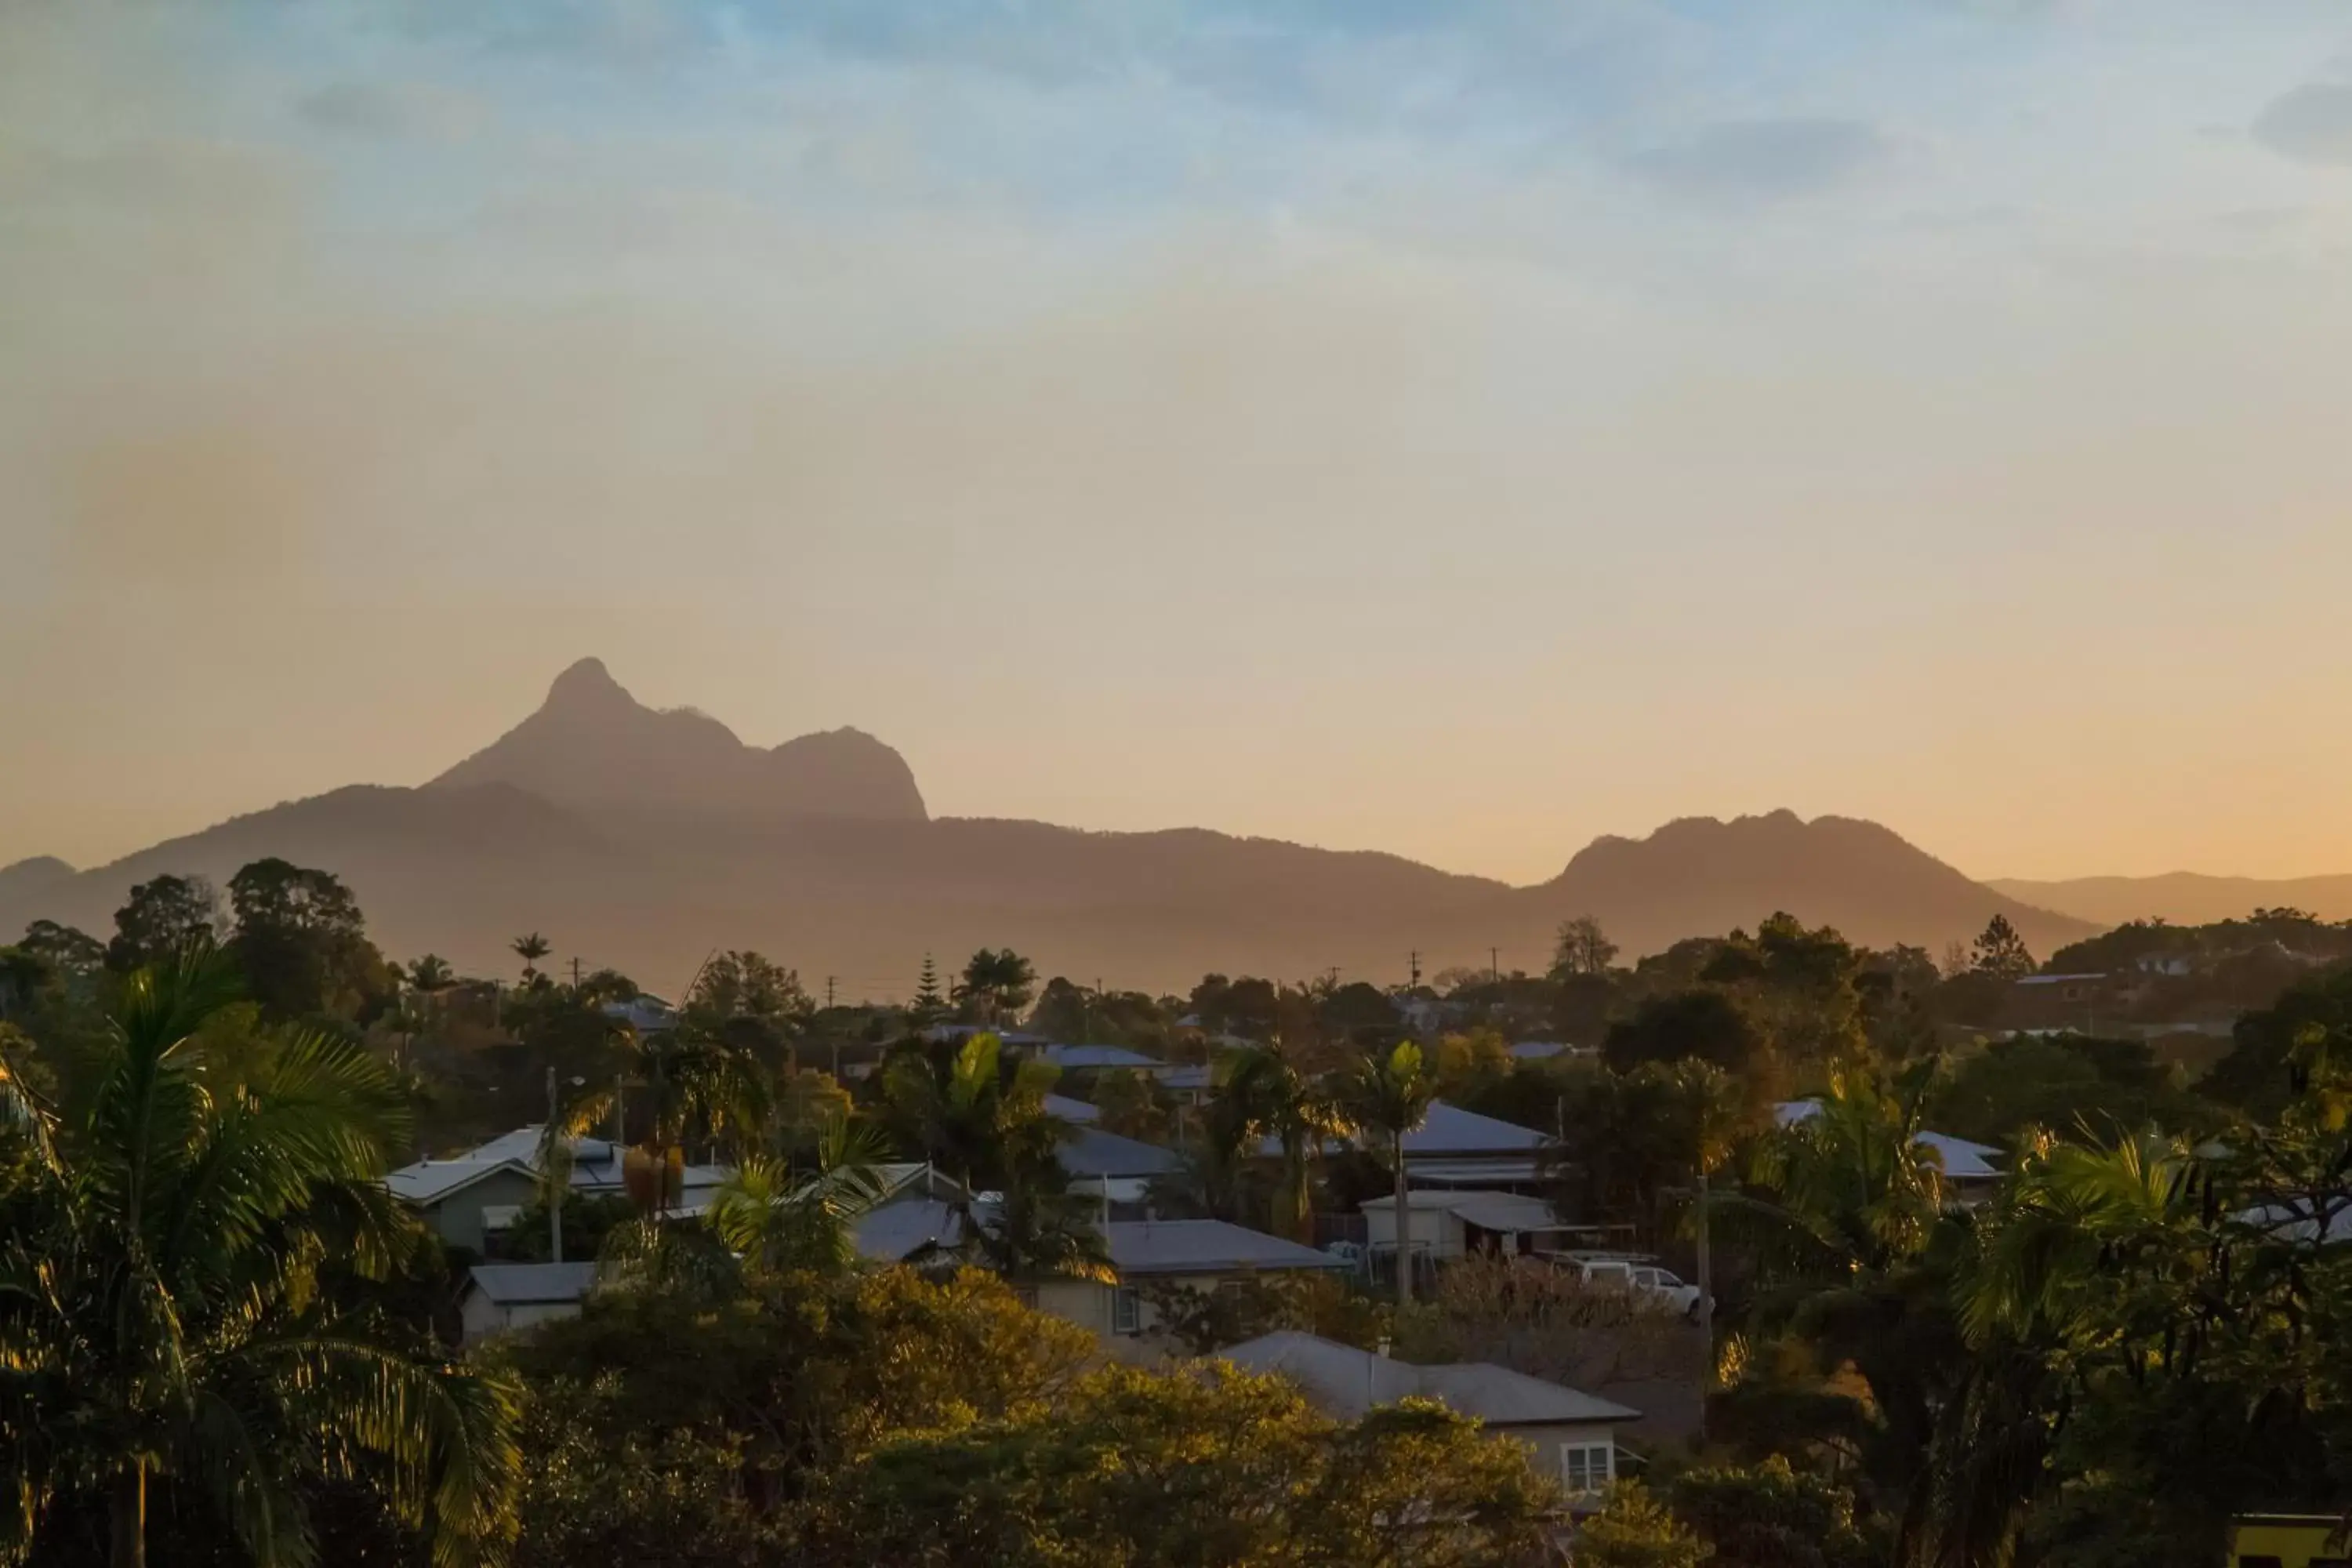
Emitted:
<point x="432" y="973"/>
<point x="1272" y="1099"/>
<point x="1391" y="1095"/>
<point x="530" y="949"/>
<point x="166" y="1228"/>
<point x="778" y="1219"/>
<point x="985" y="1125"/>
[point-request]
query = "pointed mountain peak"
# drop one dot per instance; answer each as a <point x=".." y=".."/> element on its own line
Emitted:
<point x="587" y="684"/>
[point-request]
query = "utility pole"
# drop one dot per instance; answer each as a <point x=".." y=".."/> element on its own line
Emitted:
<point x="1415" y="962"/>
<point x="552" y="1160"/>
<point x="1705" y="1295"/>
<point x="828" y="991"/>
<point x="1493" y="963"/>
<point x="575" y="972"/>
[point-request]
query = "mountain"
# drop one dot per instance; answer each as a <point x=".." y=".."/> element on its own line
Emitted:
<point x="2183" y="898"/>
<point x="643" y="839"/>
<point x="33" y="879"/>
<point x="592" y="744"/>
<point x="1869" y="882"/>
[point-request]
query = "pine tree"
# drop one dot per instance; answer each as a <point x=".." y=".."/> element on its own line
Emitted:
<point x="929" y="1002"/>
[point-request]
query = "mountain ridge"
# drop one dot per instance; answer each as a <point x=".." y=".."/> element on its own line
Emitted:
<point x="643" y="839"/>
<point x="2181" y="898"/>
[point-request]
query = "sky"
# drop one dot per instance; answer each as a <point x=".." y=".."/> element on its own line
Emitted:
<point x="1459" y="427"/>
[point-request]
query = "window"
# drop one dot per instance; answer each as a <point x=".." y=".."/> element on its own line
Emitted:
<point x="1587" y="1466"/>
<point x="1126" y="1312"/>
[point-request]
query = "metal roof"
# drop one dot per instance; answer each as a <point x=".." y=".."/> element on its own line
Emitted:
<point x="533" y="1284"/>
<point x="1962" y="1159"/>
<point x="1072" y="1110"/>
<point x="1094" y="1152"/>
<point x="1204" y="1246"/>
<point x="1075" y="1057"/>
<point x="1348" y="1381"/>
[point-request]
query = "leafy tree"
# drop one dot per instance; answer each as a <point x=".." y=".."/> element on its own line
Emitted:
<point x="71" y="951"/>
<point x="1684" y="1025"/>
<point x="755" y="1006"/>
<point x="431" y="974"/>
<point x="1800" y="986"/>
<point x="302" y="944"/>
<point x="164" y="917"/>
<point x="1999" y="952"/>
<point x="996" y="983"/>
<point x="1770" y="1516"/>
<point x="1389" y="1096"/>
<point x="1635" y="1529"/>
<point x="1581" y="948"/>
<point x="2073" y="1083"/>
<point x="170" y="1235"/>
<point x="1467" y="1061"/>
<point x="1149" y="1468"/>
<point x="1131" y="1104"/>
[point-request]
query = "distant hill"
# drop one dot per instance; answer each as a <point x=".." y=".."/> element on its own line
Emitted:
<point x="643" y="840"/>
<point x="2183" y="898"/>
<point x="33" y="879"/>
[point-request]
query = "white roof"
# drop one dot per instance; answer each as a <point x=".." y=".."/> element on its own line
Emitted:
<point x="1347" y="1382"/>
<point x="430" y="1181"/>
<point x="596" y="1167"/>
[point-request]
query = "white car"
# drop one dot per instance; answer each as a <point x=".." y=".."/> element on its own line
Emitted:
<point x="1635" y="1274"/>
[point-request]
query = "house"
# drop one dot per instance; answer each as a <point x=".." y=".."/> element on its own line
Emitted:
<point x="472" y="1199"/>
<point x="1200" y="1254"/>
<point x="1076" y="1111"/>
<point x="1450" y="1222"/>
<point x="1572" y="1435"/>
<point x="1968" y="1168"/>
<point x="2288" y="1541"/>
<point x="645" y="1014"/>
<point x="502" y="1298"/>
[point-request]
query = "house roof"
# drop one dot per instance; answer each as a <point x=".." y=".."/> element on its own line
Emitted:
<point x="1095" y="1152"/>
<point x="533" y="1284"/>
<point x="889" y="1233"/>
<point x="1447" y="1130"/>
<point x="1487" y="1210"/>
<point x="1071" y="1058"/>
<point x="1185" y="1077"/>
<point x="1204" y="1246"/>
<point x="428" y="1182"/>
<point x="596" y="1167"/>
<point x="1072" y="1110"/>
<point x="1536" y="1050"/>
<point x="1347" y="1382"/>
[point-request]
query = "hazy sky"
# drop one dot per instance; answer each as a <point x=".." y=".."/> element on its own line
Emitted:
<point x="1448" y="426"/>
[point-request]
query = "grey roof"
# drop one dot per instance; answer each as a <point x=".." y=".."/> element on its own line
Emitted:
<point x="533" y="1284"/>
<point x="1449" y="1129"/>
<point x="1536" y="1050"/>
<point x="1069" y="1110"/>
<point x="430" y="1181"/>
<point x="1204" y="1246"/>
<point x="1487" y="1210"/>
<point x="888" y="1234"/>
<point x="1347" y="1382"/>
<point x="1094" y="1152"/>
<point x="1185" y="1077"/>
<point x="1073" y="1058"/>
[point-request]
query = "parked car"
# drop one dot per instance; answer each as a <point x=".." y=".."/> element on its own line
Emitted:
<point x="1638" y="1274"/>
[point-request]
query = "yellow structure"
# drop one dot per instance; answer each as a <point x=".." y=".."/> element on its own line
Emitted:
<point x="2290" y="1540"/>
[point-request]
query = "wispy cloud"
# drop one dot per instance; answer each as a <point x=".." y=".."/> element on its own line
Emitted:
<point x="2313" y="125"/>
<point x="1772" y="160"/>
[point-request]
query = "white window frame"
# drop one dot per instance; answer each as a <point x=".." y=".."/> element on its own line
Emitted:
<point x="1575" y="1457"/>
<point x="1125" y="1310"/>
